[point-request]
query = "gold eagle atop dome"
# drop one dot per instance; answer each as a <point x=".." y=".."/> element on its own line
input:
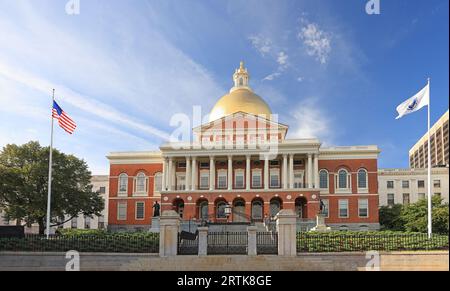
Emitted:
<point x="240" y="98"/>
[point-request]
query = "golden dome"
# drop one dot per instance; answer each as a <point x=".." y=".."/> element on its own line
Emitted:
<point x="240" y="98"/>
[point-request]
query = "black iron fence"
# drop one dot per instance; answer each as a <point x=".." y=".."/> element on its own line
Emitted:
<point x="114" y="243"/>
<point x="267" y="243"/>
<point x="227" y="243"/>
<point x="347" y="242"/>
<point x="188" y="243"/>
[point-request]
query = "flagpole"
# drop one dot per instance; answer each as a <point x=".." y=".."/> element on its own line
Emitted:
<point x="50" y="165"/>
<point x="429" y="166"/>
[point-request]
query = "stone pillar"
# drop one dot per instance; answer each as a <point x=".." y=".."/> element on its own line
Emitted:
<point x="188" y="173"/>
<point x="251" y="249"/>
<point x="202" y="241"/>
<point x="169" y="225"/>
<point x="212" y="173"/>
<point x="266" y="172"/>
<point x="291" y="171"/>
<point x="169" y="175"/>
<point x="287" y="232"/>
<point x="194" y="174"/>
<point x="230" y="173"/>
<point x="164" y="175"/>
<point x="316" y="171"/>
<point x="247" y="173"/>
<point x="310" y="180"/>
<point x="284" y="173"/>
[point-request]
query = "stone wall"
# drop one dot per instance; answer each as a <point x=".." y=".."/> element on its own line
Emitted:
<point x="419" y="261"/>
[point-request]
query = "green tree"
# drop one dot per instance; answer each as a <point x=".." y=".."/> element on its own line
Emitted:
<point x="390" y="218"/>
<point x="415" y="216"/>
<point x="24" y="185"/>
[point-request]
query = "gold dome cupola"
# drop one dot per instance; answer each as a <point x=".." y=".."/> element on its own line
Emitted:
<point x="240" y="98"/>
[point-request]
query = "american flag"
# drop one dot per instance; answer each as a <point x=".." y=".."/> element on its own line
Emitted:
<point x="63" y="119"/>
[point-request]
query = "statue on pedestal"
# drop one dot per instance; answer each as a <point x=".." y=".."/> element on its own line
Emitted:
<point x="156" y="208"/>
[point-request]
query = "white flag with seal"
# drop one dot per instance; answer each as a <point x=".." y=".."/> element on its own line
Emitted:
<point x="421" y="99"/>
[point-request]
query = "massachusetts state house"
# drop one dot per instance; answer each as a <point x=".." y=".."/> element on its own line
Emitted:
<point x="240" y="167"/>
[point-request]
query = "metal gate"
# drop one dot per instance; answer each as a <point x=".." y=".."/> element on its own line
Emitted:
<point x="267" y="243"/>
<point x="188" y="243"/>
<point x="227" y="243"/>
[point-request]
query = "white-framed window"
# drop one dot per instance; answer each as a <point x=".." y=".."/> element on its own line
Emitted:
<point x="437" y="183"/>
<point x="298" y="179"/>
<point x="405" y="184"/>
<point x="181" y="181"/>
<point x="256" y="179"/>
<point x="158" y="182"/>
<point x="204" y="180"/>
<point x="122" y="211"/>
<point x="274" y="178"/>
<point x="222" y="179"/>
<point x="140" y="210"/>
<point x="74" y="222"/>
<point x="390" y="184"/>
<point x="421" y="184"/>
<point x="362" y="180"/>
<point x="390" y="199"/>
<point x="363" y="208"/>
<point x="343" y="180"/>
<point x="323" y="179"/>
<point x="123" y="184"/>
<point x="406" y="198"/>
<point x="239" y="179"/>
<point x="140" y="184"/>
<point x="326" y="207"/>
<point x="220" y="211"/>
<point x="343" y="208"/>
<point x="87" y="222"/>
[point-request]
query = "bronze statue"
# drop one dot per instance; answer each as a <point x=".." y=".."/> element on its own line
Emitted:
<point x="156" y="207"/>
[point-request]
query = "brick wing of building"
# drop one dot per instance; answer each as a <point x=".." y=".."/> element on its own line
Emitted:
<point x="241" y="158"/>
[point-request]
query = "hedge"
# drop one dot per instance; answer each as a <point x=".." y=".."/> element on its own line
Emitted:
<point x="365" y="241"/>
<point x="85" y="242"/>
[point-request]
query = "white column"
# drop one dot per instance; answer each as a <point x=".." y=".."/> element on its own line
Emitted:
<point x="310" y="180"/>
<point x="169" y="175"/>
<point x="291" y="171"/>
<point x="194" y="174"/>
<point x="212" y="173"/>
<point x="316" y="171"/>
<point x="266" y="172"/>
<point x="247" y="173"/>
<point x="164" y="175"/>
<point x="188" y="173"/>
<point x="284" y="173"/>
<point x="230" y="172"/>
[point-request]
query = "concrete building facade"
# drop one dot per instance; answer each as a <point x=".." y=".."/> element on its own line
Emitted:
<point x="404" y="186"/>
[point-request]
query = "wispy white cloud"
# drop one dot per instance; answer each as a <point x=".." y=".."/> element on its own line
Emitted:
<point x="272" y="76"/>
<point x="316" y="41"/>
<point x="262" y="44"/>
<point x="310" y="120"/>
<point x="282" y="59"/>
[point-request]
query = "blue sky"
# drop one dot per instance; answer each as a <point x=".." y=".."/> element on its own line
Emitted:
<point x="121" y="69"/>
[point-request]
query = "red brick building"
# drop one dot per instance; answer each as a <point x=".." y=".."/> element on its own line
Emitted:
<point x="241" y="161"/>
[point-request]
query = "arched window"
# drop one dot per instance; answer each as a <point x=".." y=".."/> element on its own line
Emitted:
<point x="203" y="210"/>
<point x="275" y="207"/>
<point x="221" y="209"/>
<point x="323" y="179"/>
<point x="123" y="183"/>
<point x="257" y="210"/>
<point x="362" y="179"/>
<point x="141" y="183"/>
<point x="343" y="182"/>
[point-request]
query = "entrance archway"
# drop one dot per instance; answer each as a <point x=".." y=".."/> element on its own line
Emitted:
<point x="257" y="209"/>
<point x="178" y="206"/>
<point x="301" y="207"/>
<point x="202" y="209"/>
<point x="239" y="210"/>
<point x="276" y="204"/>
